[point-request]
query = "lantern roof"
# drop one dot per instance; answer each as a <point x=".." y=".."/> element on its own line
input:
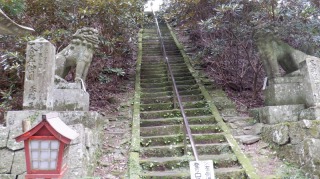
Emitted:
<point x="53" y="125"/>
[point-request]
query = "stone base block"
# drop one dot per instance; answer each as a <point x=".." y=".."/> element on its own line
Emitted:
<point x="90" y="119"/>
<point x="284" y="91"/>
<point x="296" y="142"/>
<point x="277" y="114"/>
<point x="312" y="113"/>
<point x="69" y="100"/>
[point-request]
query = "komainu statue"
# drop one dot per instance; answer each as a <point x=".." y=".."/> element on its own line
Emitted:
<point x="78" y="54"/>
<point x="274" y="53"/>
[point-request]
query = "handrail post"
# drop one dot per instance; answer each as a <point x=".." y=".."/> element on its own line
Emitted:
<point x="187" y="131"/>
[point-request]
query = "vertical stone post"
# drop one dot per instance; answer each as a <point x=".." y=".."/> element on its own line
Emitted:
<point x="39" y="74"/>
<point x="311" y="72"/>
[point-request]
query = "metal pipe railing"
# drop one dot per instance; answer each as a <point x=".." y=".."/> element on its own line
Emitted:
<point x="185" y="119"/>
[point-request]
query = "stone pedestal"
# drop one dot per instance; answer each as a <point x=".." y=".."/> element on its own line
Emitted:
<point x="285" y="91"/>
<point x="310" y="68"/>
<point x="70" y="100"/>
<point x="277" y="114"/>
<point x="39" y="75"/>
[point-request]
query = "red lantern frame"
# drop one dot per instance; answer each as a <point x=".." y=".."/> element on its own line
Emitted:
<point x="50" y="128"/>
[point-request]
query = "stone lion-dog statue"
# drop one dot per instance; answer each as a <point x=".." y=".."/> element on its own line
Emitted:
<point x="78" y="54"/>
<point x="274" y="53"/>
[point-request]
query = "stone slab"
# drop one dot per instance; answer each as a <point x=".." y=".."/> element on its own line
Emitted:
<point x="70" y="100"/>
<point x="312" y="113"/>
<point x="90" y="119"/>
<point x="248" y="139"/>
<point x="39" y="74"/>
<point x="277" y="114"/>
<point x="310" y="68"/>
<point x="7" y="176"/>
<point x="4" y="135"/>
<point x="12" y="144"/>
<point x="19" y="163"/>
<point x="286" y="91"/>
<point x="6" y="157"/>
<point x="278" y="134"/>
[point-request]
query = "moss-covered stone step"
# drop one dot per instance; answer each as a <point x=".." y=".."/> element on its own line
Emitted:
<point x="152" y="59"/>
<point x="155" y="85"/>
<point x="154" y="80"/>
<point x="209" y="138"/>
<point x="142" y="76"/>
<point x="161" y="130"/>
<point x="161" y="140"/>
<point x="179" y="65"/>
<point x="186" y="82"/>
<point x="152" y="107"/>
<point x="170" y="163"/>
<point x="188" y="98"/>
<point x="181" y="88"/>
<point x="174" y="113"/>
<point x="201" y="129"/>
<point x="170" y="106"/>
<point x="148" y="72"/>
<point x="157" y="100"/>
<point x="156" y="90"/>
<point x="182" y="75"/>
<point x="178" y="150"/>
<point x="211" y="149"/>
<point x="162" y="151"/>
<point x="150" y="66"/>
<point x="156" y="94"/>
<point x="221" y="173"/>
<point x="177" y="120"/>
<point x="178" y="138"/>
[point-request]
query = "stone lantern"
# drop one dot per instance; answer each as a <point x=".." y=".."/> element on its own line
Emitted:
<point x="46" y="147"/>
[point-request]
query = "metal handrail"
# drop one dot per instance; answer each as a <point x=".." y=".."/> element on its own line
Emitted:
<point x="185" y="119"/>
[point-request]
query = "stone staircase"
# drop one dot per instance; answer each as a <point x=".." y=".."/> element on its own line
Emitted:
<point x="161" y="152"/>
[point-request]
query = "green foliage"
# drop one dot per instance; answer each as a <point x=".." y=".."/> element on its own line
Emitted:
<point x="117" y="71"/>
<point x="13" y="8"/>
<point x="224" y="33"/>
<point x="116" y="20"/>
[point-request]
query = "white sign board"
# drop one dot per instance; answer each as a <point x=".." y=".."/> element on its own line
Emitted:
<point x="201" y="169"/>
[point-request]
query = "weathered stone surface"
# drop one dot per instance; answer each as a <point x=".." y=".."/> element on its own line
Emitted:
<point x="284" y="91"/>
<point x="278" y="134"/>
<point x="248" y="139"/>
<point x="229" y="112"/>
<point x="7" y="176"/>
<point x="223" y="103"/>
<point x="39" y="76"/>
<point x="310" y="155"/>
<point x="90" y="119"/>
<point x="4" y="135"/>
<point x="19" y="163"/>
<point x="83" y="152"/>
<point x="70" y="100"/>
<point x="257" y="128"/>
<point x="312" y="113"/>
<point x="6" y="157"/>
<point x="12" y="144"/>
<point x="278" y="114"/>
<point x="310" y="69"/>
<point x="296" y="133"/>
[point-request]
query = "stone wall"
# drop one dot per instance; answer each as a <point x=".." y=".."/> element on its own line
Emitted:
<point x="297" y="142"/>
<point x="83" y="150"/>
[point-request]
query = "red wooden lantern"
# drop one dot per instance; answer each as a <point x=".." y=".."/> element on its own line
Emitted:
<point x="46" y="147"/>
